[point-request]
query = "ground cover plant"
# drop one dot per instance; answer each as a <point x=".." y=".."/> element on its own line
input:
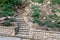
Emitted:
<point x="39" y="1"/>
<point x="51" y="21"/>
<point x="7" y="9"/>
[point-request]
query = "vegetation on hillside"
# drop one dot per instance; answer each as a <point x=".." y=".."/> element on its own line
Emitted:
<point x="7" y="9"/>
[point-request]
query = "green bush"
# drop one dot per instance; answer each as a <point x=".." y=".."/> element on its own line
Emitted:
<point x="36" y="11"/>
<point x="55" y="1"/>
<point x="35" y="20"/>
<point x="16" y="1"/>
<point x="8" y="6"/>
<point x="12" y="19"/>
<point x="6" y="23"/>
<point x="36" y="14"/>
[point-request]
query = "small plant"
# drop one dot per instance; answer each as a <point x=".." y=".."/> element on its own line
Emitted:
<point x="55" y="1"/>
<point x="6" y="23"/>
<point x="36" y="11"/>
<point x="36" y="14"/>
<point x="16" y="1"/>
<point x="12" y="19"/>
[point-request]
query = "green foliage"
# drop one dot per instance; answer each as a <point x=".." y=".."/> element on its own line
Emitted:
<point x="55" y="10"/>
<point x="8" y="13"/>
<point x="49" y="23"/>
<point x="36" y="11"/>
<point x="55" y="1"/>
<point x="16" y="1"/>
<point x="39" y="1"/>
<point x="36" y="14"/>
<point x="38" y="21"/>
<point x="6" y="23"/>
<point x="7" y="9"/>
<point x="12" y="19"/>
<point x="8" y="6"/>
<point x="35" y="7"/>
<point x="52" y="16"/>
<point x="11" y="1"/>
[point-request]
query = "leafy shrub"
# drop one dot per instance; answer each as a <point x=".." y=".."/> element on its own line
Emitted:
<point x="55" y="1"/>
<point x="12" y="19"/>
<point x="6" y="23"/>
<point x="35" y="7"/>
<point x="8" y="6"/>
<point x="16" y="1"/>
<point x="36" y="11"/>
<point x="38" y="21"/>
<point x="8" y="9"/>
<point x="39" y="1"/>
<point x="48" y="22"/>
<point x="35" y="15"/>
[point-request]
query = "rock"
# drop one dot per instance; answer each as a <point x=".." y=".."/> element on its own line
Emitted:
<point x="57" y="13"/>
<point x="45" y="28"/>
<point x="8" y="31"/>
<point x="2" y="18"/>
<point x="36" y="26"/>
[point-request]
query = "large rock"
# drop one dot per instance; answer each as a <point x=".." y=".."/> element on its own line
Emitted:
<point x="36" y="26"/>
<point x="57" y="13"/>
<point x="8" y="31"/>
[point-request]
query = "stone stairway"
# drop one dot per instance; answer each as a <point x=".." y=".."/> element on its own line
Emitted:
<point x="23" y="29"/>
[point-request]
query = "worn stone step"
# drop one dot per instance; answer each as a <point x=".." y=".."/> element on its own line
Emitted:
<point x="23" y="33"/>
<point x="24" y="24"/>
<point x="22" y="36"/>
<point x="23" y="28"/>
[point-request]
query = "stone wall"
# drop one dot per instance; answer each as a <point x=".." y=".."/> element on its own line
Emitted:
<point x="8" y="31"/>
<point x="44" y="35"/>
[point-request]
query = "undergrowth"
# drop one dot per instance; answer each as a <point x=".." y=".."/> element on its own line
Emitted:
<point x="7" y="9"/>
<point x="51" y="21"/>
<point x="39" y="1"/>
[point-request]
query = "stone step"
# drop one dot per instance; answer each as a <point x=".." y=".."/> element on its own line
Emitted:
<point x="22" y="36"/>
<point x="23" y="28"/>
<point x="20" y="19"/>
<point x="24" y="24"/>
<point x="23" y="33"/>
